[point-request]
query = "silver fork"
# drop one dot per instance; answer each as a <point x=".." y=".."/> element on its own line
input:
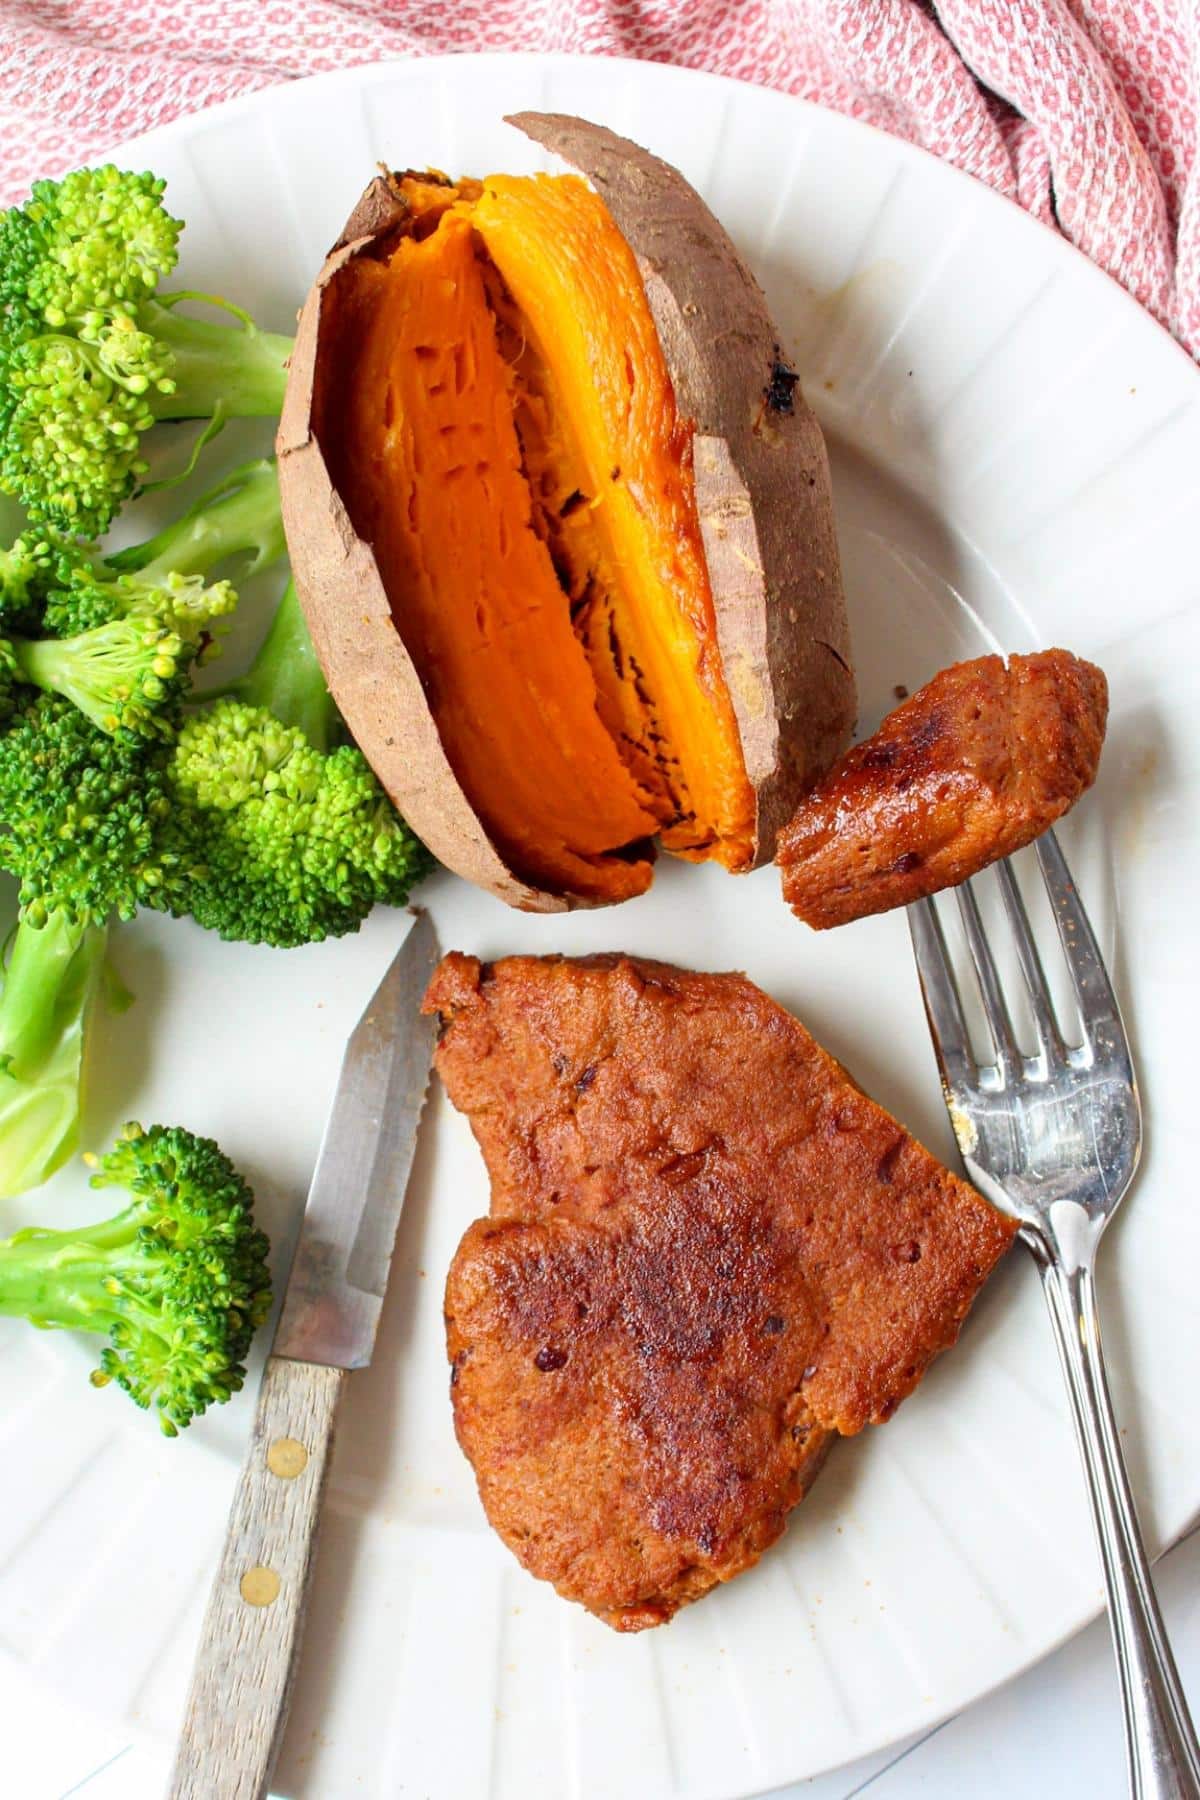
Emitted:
<point x="1054" y="1140"/>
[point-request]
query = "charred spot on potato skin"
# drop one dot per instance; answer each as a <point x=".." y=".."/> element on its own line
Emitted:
<point x="549" y="1358"/>
<point x="907" y="863"/>
<point x="781" y="388"/>
<point x="836" y="655"/>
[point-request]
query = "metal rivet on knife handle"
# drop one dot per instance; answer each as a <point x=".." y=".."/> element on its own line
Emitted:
<point x="287" y="1458"/>
<point x="259" y="1587"/>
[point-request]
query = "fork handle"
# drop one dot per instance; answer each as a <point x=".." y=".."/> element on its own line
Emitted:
<point x="1164" y="1758"/>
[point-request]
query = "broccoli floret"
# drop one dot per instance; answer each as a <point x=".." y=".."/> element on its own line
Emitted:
<point x="80" y="814"/>
<point x="289" y="836"/>
<point x="86" y="595"/>
<point x="123" y="633"/>
<point x="80" y="818"/>
<point x="81" y="810"/>
<point x="177" y="1281"/>
<point x="128" y="677"/>
<point x="58" y="586"/>
<point x="288" y="844"/>
<point x="92" y="354"/>
<point x="25" y="568"/>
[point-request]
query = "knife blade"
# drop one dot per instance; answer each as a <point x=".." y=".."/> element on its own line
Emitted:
<point x="339" y="1274"/>
<point x="250" y="1640"/>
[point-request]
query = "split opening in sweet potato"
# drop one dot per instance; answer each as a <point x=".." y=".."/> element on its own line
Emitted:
<point x="497" y="418"/>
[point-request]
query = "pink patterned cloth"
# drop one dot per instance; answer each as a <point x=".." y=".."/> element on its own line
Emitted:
<point x="1083" y="111"/>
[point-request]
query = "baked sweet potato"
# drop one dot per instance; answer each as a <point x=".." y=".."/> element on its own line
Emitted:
<point x="561" y="525"/>
<point x="976" y="764"/>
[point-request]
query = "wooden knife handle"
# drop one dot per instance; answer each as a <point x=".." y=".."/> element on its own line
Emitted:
<point x="241" y="1685"/>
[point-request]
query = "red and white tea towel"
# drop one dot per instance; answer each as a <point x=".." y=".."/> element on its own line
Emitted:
<point x="1083" y="111"/>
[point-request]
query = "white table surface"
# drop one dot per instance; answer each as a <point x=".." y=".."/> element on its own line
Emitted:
<point x="1055" y="1733"/>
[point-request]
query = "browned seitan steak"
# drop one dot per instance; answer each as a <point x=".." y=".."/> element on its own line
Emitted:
<point x="708" y="1252"/>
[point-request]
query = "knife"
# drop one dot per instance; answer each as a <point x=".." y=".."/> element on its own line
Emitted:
<point x="241" y="1684"/>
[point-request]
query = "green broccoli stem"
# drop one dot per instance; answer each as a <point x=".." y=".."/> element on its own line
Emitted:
<point x="49" y="987"/>
<point x="55" y="1278"/>
<point x="238" y="517"/>
<point x="285" y="677"/>
<point x="86" y="1280"/>
<point x="36" y="985"/>
<point x="40" y="661"/>
<point x="237" y="372"/>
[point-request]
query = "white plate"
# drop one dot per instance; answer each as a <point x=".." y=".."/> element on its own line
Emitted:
<point x="1015" y="451"/>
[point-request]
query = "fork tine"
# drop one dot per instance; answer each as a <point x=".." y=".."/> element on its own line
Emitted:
<point x="939" y="990"/>
<point x="1034" y="975"/>
<point x="1103" y="1031"/>
<point x="1008" y="1057"/>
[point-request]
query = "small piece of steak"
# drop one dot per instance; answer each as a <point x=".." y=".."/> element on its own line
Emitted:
<point x="974" y="766"/>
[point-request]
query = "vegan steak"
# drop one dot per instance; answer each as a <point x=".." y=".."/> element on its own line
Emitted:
<point x="708" y="1253"/>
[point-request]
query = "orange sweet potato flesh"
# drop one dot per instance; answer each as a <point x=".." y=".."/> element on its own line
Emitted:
<point x="500" y="426"/>
<point x="428" y="412"/>
<point x="618" y="438"/>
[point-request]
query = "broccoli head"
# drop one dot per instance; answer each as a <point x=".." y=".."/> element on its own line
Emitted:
<point x="285" y="844"/>
<point x="177" y="1281"/>
<point x="25" y="569"/>
<point x="166" y="576"/>
<point x="92" y="354"/>
<point x="83" y="594"/>
<point x="80" y="813"/>
<point x="55" y="586"/>
<point x="83" y="791"/>
<point x="128" y="677"/>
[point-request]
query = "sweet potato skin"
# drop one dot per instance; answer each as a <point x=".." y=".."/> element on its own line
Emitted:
<point x="761" y="470"/>
<point x="975" y="765"/>
<point x="367" y="667"/>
